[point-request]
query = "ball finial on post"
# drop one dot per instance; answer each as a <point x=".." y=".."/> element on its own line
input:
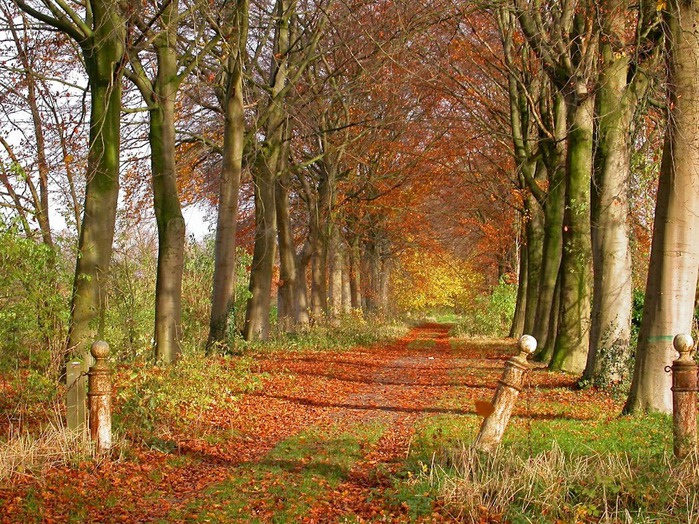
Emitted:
<point x="527" y="344"/>
<point x="684" y="345"/>
<point x="684" y="397"/>
<point x="99" y="349"/>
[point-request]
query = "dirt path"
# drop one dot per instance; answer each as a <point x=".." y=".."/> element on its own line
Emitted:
<point x="251" y="462"/>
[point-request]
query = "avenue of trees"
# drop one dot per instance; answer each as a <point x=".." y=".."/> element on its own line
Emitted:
<point x="384" y="156"/>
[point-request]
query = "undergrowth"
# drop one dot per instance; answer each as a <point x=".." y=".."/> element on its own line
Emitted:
<point x="150" y="400"/>
<point x="23" y="453"/>
<point x="348" y="331"/>
<point x="555" y="486"/>
<point x="619" y="471"/>
<point x="488" y="315"/>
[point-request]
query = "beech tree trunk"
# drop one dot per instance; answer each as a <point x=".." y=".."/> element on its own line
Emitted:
<point x="265" y="179"/>
<point x="286" y="293"/>
<point x="517" y="328"/>
<point x="672" y="275"/>
<point x="223" y="295"/>
<point x="535" y="246"/>
<point x="355" y="266"/>
<point x="168" y="212"/>
<point x="572" y="338"/>
<point x="336" y="257"/>
<point x="554" y="204"/>
<point x="611" y="253"/>
<point x="103" y="50"/>
<point x="257" y="325"/>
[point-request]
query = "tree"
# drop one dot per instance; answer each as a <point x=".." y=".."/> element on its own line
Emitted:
<point x="672" y="275"/>
<point x="623" y="81"/>
<point x="566" y="43"/>
<point x="265" y="173"/>
<point x="159" y="33"/>
<point x="230" y="98"/>
<point x="100" y="32"/>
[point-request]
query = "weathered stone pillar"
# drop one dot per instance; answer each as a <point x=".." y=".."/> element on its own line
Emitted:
<point x="684" y="397"/>
<point x="99" y="397"/>
<point x="509" y="386"/>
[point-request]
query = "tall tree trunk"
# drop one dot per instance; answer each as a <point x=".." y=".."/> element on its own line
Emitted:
<point x="554" y="205"/>
<point x="301" y="306"/>
<point x="168" y="212"/>
<point x="572" y="339"/>
<point x="288" y="274"/>
<point x="535" y="246"/>
<point x="611" y="253"/>
<point x="551" y="259"/>
<point x="545" y="352"/>
<point x="346" y="286"/>
<point x="103" y="53"/>
<point x="257" y="325"/>
<point x="372" y="269"/>
<point x="264" y="178"/>
<point x="672" y="275"/>
<point x="223" y="295"/>
<point x="319" y="302"/>
<point x="355" y="275"/>
<point x="335" y="262"/>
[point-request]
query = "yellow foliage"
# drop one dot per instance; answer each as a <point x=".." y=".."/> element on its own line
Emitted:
<point x="427" y="280"/>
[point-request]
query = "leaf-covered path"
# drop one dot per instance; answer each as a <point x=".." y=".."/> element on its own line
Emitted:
<point x="324" y="439"/>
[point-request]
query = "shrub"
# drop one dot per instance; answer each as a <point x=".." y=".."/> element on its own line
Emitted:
<point x="489" y="315"/>
<point x="33" y="313"/>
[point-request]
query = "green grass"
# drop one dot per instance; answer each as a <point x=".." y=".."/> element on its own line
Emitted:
<point x="348" y="332"/>
<point x="422" y="344"/>
<point x="552" y="471"/>
<point x="287" y="483"/>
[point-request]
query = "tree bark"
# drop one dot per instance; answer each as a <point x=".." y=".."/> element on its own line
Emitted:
<point x="611" y="253"/>
<point x="103" y="52"/>
<point x="517" y="328"/>
<point x="336" y="257"/>
<point x="553" y="150"/>
<point x="257" y="325"/>
<point x="288" y="274"/>
<point x="223" y="295"/>
<point x="572" y="339"/>
<point x="535" y="245"/>
<point x="168" y="212"/>
<point x="265" y="179"/>
<point x="355" y="275"/>
<point x="672" y="275"/>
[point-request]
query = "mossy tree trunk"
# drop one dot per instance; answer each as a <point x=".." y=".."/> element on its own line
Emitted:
<point x="572" y="337"/>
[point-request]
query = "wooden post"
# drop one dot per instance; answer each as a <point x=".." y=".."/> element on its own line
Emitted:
<point x="76" y="415"/>
<point x="509" y="386"/>
<point x="684" y="397"/>
<point x="99" y="397"/>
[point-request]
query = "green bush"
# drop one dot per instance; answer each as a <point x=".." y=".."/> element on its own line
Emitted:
<point x="197" y="289"/>
<point x="33" y="312"/>
<point x="489" y="315"/>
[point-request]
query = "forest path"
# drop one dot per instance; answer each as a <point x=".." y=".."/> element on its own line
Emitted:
<point x="326" y="438"/>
